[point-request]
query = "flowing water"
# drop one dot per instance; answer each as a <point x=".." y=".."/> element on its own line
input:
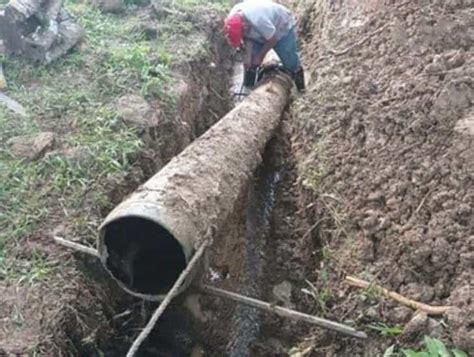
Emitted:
<point x="246" y="322"/>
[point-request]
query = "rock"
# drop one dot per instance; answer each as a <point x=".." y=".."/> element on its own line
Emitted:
<point x="276" y="346"/>
<point x="135" y="110"/>
<point x="80" y="155"/>
<point x="415" y="327"/>
<point x="373" y="313"/>
<point x="418" y="292"/>
<point x="149" y="30"/>
<point x="456" y="59"/>
<point x="465" y="126"/>
<point x="434" y="328"/>
<point x="113" y="6"/>
<point x="31" y="147"/>
<point x="282" y="293"/>
<point x="401" y="314"/>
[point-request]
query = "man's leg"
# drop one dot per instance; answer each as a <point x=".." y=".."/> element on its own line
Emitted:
<point x="287" y="50"/>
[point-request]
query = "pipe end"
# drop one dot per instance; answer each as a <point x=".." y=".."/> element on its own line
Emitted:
<point x="143" y="256"/>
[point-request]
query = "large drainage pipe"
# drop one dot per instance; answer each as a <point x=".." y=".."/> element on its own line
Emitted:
<point x="147" y="240"/>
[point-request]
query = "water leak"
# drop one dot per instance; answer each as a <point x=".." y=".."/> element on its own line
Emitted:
<point x="261" y="198"/>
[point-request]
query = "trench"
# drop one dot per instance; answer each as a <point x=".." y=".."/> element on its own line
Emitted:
<point x="196" y="325"/>
<point x="246" y="323"/>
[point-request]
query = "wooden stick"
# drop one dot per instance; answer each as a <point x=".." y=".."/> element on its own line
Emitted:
<point x="281" y="311"/>
<point x="164" y="304"/>
<point x="76" y="246"/>
<point x="430" y="310"/>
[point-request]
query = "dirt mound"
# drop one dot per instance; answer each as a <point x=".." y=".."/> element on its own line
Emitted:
<point x="385" y="141"/>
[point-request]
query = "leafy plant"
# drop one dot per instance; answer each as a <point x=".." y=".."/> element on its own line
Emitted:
<point x="432" y="348"/>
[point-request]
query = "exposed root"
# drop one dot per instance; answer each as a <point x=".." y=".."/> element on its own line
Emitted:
<point x="430" y="310"/>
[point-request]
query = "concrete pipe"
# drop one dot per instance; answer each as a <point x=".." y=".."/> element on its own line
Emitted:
<point x="147" y="240"/>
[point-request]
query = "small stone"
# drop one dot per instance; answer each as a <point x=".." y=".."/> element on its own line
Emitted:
<point x="369" y="222"/>
<point x="282" y="293"/>
<point x="400" y="314"/>
<point x="347" y="80"/>
<point x="80" y="155"/>
<point x="434" y="328"/>
<point x="31" y="147"/>
<point x="418" y="292"/>
<point x="416" y="326"/>
<point x="372" y="313"/>
<point x="149" y="30"/>
<point x="135" y="110"/>
<point x="456" y="60"/>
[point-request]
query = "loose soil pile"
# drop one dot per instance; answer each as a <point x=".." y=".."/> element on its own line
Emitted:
<point x="384" y="138"/>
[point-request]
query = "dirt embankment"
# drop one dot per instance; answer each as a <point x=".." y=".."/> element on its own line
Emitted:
<point x="72" y="308"/>
<point x="384" y="138"/>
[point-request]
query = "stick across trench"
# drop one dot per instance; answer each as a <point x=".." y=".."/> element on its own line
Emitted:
<point x="265" y="306"/>
<point x="282" y="311"/>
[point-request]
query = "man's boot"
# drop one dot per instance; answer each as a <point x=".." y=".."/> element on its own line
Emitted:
<point x="299" y="80"/>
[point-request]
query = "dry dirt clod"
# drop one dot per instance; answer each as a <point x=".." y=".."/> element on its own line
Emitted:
<point x="282" y="292"/>
<point x="416" y="326"/>
<point x="135" y="110"/>
<point x="31" y="147"/>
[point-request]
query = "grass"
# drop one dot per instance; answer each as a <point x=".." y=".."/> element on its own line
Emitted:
<point x="433" y="347"/>
<point x="386" y="330"/>
<point x="324" y="294"/>
<point x="74" y="97"/>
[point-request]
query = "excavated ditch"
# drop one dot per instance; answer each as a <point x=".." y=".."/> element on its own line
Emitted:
<point x="258" y="254"/>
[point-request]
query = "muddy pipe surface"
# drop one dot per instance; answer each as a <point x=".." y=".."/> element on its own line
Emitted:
<point x="147" y="240"/>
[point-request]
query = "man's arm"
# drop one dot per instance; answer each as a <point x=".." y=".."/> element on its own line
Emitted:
<point x="266" y="47"/>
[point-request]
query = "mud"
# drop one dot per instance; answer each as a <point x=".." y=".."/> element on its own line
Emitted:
<point x="385" y="170"/>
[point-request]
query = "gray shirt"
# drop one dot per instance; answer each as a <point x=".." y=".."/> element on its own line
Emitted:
<point x="266" y="19"/>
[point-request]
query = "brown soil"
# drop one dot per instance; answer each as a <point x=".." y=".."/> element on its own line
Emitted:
<point x="384" y="140"/>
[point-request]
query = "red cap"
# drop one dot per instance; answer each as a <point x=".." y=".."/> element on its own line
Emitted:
<point x="233" y="28"/>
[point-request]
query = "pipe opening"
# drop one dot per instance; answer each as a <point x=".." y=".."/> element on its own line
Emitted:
<point x="143" y="255"/>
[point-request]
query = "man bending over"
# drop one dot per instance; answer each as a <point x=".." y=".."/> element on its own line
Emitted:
<point x="262" y="25"/>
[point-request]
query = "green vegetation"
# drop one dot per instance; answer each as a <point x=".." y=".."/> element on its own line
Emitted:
<point x="75" y="98"/>
<point x="432" y="348"/>
<point x="324" y="294"/>
<point x="386" y="330"/>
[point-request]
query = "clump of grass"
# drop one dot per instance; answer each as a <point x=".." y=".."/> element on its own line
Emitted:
<point x="322" y="295"/>
<point x="386" y="330"/>
<point x="433" y="347"/>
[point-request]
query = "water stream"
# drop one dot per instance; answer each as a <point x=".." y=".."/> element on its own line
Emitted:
<point x="261" y="200"/>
